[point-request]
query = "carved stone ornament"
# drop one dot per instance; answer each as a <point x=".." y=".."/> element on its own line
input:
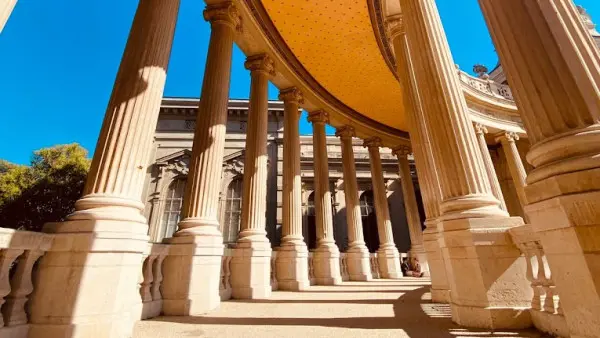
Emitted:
<point x="179" y="166"/>
<point x="373" y="142"/>
<point x="234" y="166"/>
<point x="345" y="132"/>
<point x="224" y="12"/>
<point x="402" y="150"/>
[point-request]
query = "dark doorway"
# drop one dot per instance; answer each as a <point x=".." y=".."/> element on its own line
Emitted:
<point x="311" y="222"/>
<point x="369" y="221"/>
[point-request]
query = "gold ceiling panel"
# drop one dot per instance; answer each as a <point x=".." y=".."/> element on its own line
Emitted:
<point x="335" y="42"/>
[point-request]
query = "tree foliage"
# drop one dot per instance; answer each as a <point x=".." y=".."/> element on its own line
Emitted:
<point x="44" y="191"/>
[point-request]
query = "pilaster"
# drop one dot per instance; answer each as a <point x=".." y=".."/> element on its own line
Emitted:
<point x="388" y="255"/>
<point x="251" y="263"/>
<point x="326" y="255"/>
<point x="359" y="267"/>
<point x="88" y="281"/>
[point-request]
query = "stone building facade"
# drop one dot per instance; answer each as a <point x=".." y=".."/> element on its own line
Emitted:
<point x="169" y="166"/>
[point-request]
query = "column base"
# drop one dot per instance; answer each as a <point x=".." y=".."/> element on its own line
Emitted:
<point x="192" y="275"/>
<point x="292" y="267"/>
<point x="251" y="270"/>
<point x="440" y="296"/>
<point x="389" y="263"/>
<point x="87" y="283"/>
<point x="569" y="227"/>
<point x="491" y="318"/>
<point x="487" y="274"/>
<point x="326" y="261"/>
<point x="359" y="265"/>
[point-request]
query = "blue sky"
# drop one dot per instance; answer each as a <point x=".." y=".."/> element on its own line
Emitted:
<point x="59" y="59"/>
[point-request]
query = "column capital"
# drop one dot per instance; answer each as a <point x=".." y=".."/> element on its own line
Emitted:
<point x="480" y="129"/>
<point x="510" y="136"/>
<point x="345" y="132"/>
<point x="373" y="142"/>
<point x="224" y="12"/>
<point x="318" y="117"/>
<point x="292" y="95"/>
<point x="260" y="63"/>
<point x="394" y="26"/>
<point x="402" y="151"/>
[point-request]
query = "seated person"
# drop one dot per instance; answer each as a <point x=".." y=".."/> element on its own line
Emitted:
<point x="414" y="268"/>
<point x="404" y="266"/>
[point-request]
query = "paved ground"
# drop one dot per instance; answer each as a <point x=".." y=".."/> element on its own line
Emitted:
<point x="382" y="308"/>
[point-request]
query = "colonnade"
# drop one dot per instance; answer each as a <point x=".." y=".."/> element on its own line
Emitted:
<point x="474" y="264"/>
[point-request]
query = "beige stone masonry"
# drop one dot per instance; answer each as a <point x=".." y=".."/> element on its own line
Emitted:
<point x="387" y="254"/>
<point x="191" y="271"/>
<point x="486" y="272"/>
<point x="554" y="73"/>
<point x="251" y="262"/>
<point x="515" y="164"/>
<point x="357" y="253"/>
<point x="292" y="255"/>
<point x="480" y="131"/>
<point x="102" y="242"/>
<point x="326" y="255"/>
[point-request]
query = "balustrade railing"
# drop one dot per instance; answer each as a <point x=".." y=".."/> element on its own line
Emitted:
<point x="311" y="268"/>
<point x="19" y="252"/>
<point x="545" y="310"/>
<point x="486" y="86"/>
<point x="344" y="267"/>
<point x="225" y="285"/>
<point x="150" y="287"/>
<point x="374" y="266"/>
<point x="274" y="283"/>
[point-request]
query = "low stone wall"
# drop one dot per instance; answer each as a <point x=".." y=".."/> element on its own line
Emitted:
<point x="19" y="251"/>
<point x="150" y="287"/>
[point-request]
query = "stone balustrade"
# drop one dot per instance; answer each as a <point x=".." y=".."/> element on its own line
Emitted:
<point x="274" y="284"/>
<point x="374" y="266"/>
<point x="19" y="251"/>
<point x="545" y="309"/>
<point x="311" y="268"/>
<point x="225" y="285"/>
<point x="486" y="86"/>
<point x="344" y="267"/>
<point x="152" y="277"/>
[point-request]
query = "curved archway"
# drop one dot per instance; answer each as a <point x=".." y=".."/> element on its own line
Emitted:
<point x="369" y="220"/>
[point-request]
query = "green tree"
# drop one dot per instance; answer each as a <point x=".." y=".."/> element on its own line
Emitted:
<point x="44" y="191"/>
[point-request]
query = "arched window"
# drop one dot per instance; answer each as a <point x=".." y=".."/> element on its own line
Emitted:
<point x="173" y="203"/>
<point x="233" y="211"/>
<point x="369" y="220"/>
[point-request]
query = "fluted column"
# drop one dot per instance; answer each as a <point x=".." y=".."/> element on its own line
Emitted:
<point x="251" y="263"/>
<point x="480" y="131"/>
<point x="515" y="164"/>
<point x="387" y="255"/>
<point x="6" y="8"/>
<point x="412" y="210"/>
<point x="554" y="74"/>
<point x="198" y="244"/>
<point x="468" y="206"/>
<point x="428" y="178"/>
<point x="107" y="232"/>
<point x="359" y="267"/>
<point x="326" y="255"/>
<point x="292" y="256"/>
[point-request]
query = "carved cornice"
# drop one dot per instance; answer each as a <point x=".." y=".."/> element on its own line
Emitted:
<point x="373" y="142"/>
<point x="480" y="129"/>
<point x="260" y="63"/>
<point x="345" y="133"/>
<point x="510" y="136"/>
<point x="379" y="29"/>
<point x="292" y="94"/>
<point x="224" y="12"/>
<point x="318" y="116"/>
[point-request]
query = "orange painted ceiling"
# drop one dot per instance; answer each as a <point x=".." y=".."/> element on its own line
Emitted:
<point x="334" y="40"/>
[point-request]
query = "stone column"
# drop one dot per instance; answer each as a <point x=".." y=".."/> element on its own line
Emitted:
<point x="359" y="267"/>
<point x="554" y="73"/>
<point x="480" y="131"/>
<point x="387" y="255"/>
<point x="428" y="177"/>
<point x="197" y="247"/>
<point x="326" y="259"/>
<point x="6" y="8"/>
<point x="251" y="262"/>
<point x="412" y="210"/>
<point x="515" y="164"/>
<point x="87" y="285"/>
<point x="292" y="256"/>
<point x="485" y="270"/>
